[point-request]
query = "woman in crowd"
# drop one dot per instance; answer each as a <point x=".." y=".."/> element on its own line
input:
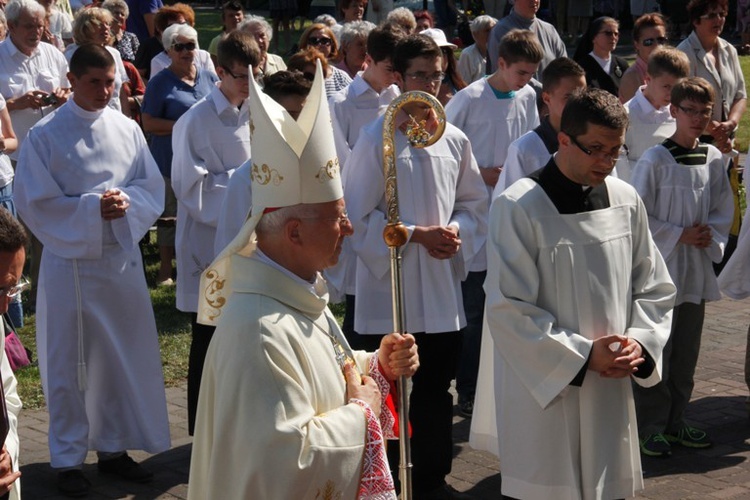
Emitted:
<point x="604" y="70"/>
<point x="125" y="42"/>
<point x="402" y="19"/>
<point x="649" y="32"/>
<point x="472" y="63"/>
<point x="202" y="59"/>
<point x="304" y="61"/>
<point x="352" y="10"/>
<point x="353" y="38"/>
<point x="321" y="38"/>
<point x="452" y="82"/>
<point x="169" y="94"/>
<point x="715" y="59"/>
<point x="424" y="20"/>
<point x="263" y="34"/>
<point x="92" y="26"/>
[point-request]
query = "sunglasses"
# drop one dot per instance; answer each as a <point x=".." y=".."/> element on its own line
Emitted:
<point x="648" y="42"/>
<point x="179" y="47"/>
<point x="323" y="40"/>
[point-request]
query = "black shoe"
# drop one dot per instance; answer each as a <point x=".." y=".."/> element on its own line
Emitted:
<point x="444" y="492"/>
<point x="72" y="483"/>
<point x="126" y="468"/>
<point x="466" y="407"/>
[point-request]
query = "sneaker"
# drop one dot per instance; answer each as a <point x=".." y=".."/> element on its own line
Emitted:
<point x="72" y="483"/>
<point x="655" y="445"/>
<point x="690" y="437"/>
<point x="466" y="407"/>
<point x="126" y="468"/>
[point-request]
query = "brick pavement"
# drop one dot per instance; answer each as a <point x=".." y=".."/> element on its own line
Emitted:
<point x="721" y="472"/>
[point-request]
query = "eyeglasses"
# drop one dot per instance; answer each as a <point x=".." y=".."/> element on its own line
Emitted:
<point x="319" y="40"/>
<point x="695" y="113"/>
<point x="13" y="291"/>
<point x="425" y="78"/>
<point x="245" y="77"/>
<point x="341" y="219"/>
<point x="648" y="42"/>
<point x="609" y="33"/>
<point x="597" y="152"/>
<point x="179" y="47"/>
<point x="712" y="16"/>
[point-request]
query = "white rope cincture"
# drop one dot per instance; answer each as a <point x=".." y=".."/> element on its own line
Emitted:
<point x="82" y="382"/>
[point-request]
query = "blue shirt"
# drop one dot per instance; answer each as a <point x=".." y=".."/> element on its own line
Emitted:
<point x="138" y="8"/>
<point x="169" y="97"/>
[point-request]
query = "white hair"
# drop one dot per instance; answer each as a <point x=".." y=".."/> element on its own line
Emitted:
<point x="403" y="16"/>
<point x="15" y="8"/>
<point x="353" y="30"/>
<point x="252" y="21"/>
<point x="326" y="19"/>
<point x="481" y="23"/>
<point x="172" y="32"/>
<point x="113" y="5"/>
<point x="273" y="222"/>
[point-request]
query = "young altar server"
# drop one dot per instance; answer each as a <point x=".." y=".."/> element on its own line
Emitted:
<point x="690" y="208"/>
<point x="89" y="189"/>
<point x="579" y="304"/>
<point x="283" y="411"/>
<point x="530" y="152"/>
<point x="209" y="142"/>
<point x="650" y="121"/>
<point x="492" y="112"/>
<point x="443" y="204"/>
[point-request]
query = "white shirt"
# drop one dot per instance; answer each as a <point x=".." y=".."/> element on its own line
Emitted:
<point x="526" y="155"/>
<point x="202" y="61"/>
<point x="121" y="76"/>
<point x="6" y="169"/>
<point x="235" y="207"/>
<point x="604" y="63"/>
<point x="472" y="64"/>
<point x="209" y="142"/>
<point x="46" y="69"/>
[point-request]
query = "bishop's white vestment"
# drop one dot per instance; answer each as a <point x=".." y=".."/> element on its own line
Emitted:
<point x="273" y="417"/>
<point x="96" y="335"/>
<point x="554" y="284"/>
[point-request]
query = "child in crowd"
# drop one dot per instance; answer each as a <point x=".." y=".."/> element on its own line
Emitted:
<point x="650" y="120"/>
<point x="686" y="193"/>
<point x="532" y="151"/>
<point x="492" y="112"/>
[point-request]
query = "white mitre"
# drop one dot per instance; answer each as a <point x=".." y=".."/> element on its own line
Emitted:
<point x="293" y="162"/>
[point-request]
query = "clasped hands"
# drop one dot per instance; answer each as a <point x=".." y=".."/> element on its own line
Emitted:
<point x="441" y="242"/>
<point x="615" y="356"/>
<point x="113" y="203"/>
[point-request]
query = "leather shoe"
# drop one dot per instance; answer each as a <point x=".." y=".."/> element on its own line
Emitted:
<point x="126" y="468"/>
<point x="72" y="483"/>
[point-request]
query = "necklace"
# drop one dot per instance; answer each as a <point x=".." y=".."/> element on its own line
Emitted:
<point x="343" y="357"/>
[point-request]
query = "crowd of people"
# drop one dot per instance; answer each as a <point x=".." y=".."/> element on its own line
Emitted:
<point x="562" y="237"/>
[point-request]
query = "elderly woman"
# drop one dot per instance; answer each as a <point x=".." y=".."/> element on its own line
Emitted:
<point x="92" y="26"/>
<point x="716" y="60"/>
<point x="125" y="42"/>
<point x="402" y="19"/>
<point x="473" y="60"/>
<point x="353" y="38"/>
<point x="603" y="69"/>
<point x="304" y="61"/>
<point x="321" y="38"/>
<point x="169" y="94"/>
<point x="202" y="58"/>
<point x="259" y="28"/>
<point x="649" y="32"/>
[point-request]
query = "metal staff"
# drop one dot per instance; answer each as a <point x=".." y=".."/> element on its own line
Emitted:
<point x="395" y="236"/>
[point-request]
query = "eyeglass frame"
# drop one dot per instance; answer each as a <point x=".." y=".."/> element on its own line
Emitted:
<point x="238" y="77"/>
<point x="434" y="78"/>
<point x="696" y="113"/>
<point x="179" y="47"/>
<point x="612" y="158"/>
<point x="710" y="16"/>
<point x="659" y="40"/>
<point x="341" y="219"/>
<point x="12" y="292"/>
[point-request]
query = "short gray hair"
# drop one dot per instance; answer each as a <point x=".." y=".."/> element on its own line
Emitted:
<point x="15" y="8"/>
<point x="273" y="222"/>
<point x="251" y="21"/>
<point x="481" y="23"/>
<point x="113" y="5"/>
<point x="353" y="30"/>
<point x="403" y="17"/>
<point x="172" y="32"/>
<point x="326" y="19"/>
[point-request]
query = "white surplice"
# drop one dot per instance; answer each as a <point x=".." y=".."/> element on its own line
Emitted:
<point x="235" y="207"/>
<point x="209" y="142"/>
<point x="526" y="155"/>
<point x="554" y="284"/>
<point x="93" y="305"/>
<point x="437" y="185"/>
<point x="273" y="420"/>
<point x="678" y="196"/>
<point x="491" y="124"/>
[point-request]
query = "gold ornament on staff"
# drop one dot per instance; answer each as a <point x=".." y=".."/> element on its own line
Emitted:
<point x="395" y="236"/>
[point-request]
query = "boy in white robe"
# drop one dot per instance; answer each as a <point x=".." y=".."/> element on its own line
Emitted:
<point x="690" y="207"/>
<point x="441" y="193"/>
<point x="578" y="305"/>
<point x="209" y="142"/>
<point x="532" y="151"/>
<point x="89" y="189"/>
<point x="492" y="112"/>
<point x="649" y="119"/>
<point x="283" y="412"/>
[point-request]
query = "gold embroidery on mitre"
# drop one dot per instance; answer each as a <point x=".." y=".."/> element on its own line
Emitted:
<point x="212" y="293"/>
<point x="328" y="492"/>
<point x="252" y="127"/>
<point x="265" y="174"/>
<point x="330" y="170"/>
